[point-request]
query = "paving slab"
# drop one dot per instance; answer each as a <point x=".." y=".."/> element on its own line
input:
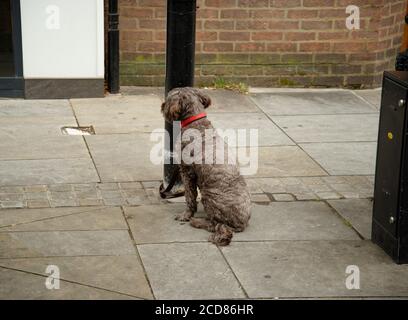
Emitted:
<point x="65" y="243"/>
<point x="373" y="96"/>
<point x="17" y="285"/>
<point x="329" y="128"/>
<point x="357" y="158"/>
<point x="35" y="108"/>
<point x="295" y="220"/>
<point x="51" y="147"/>
<point x="282" y="161"/>
<point x="60" y="219"/>
<point x="188" y="271"/>
<point x="268" y="133"/>
<point x="300" y="269"/>
<point x="29" y="127"/>
<point x="124" y="157"/>
<point x="156" y="224"/>
<point x="358" y="212"/>
<point x="47" y="171"/>
<point x="120" y="114"/>
<point x="321" y="102"/>
<point x="229" y="101"/>
<point x="121" y="274"/>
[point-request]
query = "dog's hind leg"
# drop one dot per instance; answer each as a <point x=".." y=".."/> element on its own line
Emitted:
<point x="222" y="235"/>
<point x="202" y="223"/>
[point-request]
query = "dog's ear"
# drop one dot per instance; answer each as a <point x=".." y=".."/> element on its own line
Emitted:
<point x="204" y="98"/>
<point x="171" y="109"/>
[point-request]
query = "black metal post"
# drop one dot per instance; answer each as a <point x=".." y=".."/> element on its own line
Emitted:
<point x="181" y="25"/>
<point x="113" y="47"/>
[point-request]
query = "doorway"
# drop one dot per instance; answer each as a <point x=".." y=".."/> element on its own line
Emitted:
<point x="11" y="71"/>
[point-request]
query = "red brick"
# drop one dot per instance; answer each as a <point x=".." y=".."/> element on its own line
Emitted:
<point x="282" y="47"/>
<point x="387" y="22"/>
<point x="136" y="35"/>
<point x="333" y="13"/>
<point x="152" y="3"/>
<point x="283" y="25"/>
<point x="250" y="47"/>
<point x="136" y="13"/>
<point x="152" y="24"/>
<point x="267" y="14"/>
<point x="234" y="36"/>
<point x="160" y="35"/>
<point x="220" y="3"/>
<point x="218" y="47"/>
<point x="127" y="23"/>
<point x="318" y="3"/>
<point x="350" y="47"/>
<point x="285" y="3"/>
<point x="302" y="14"/>
<point x="317" y="25"/>
<point x="269" y="36"/>
<point x="300" y="36"/>
<point x="218" y="25"/>
<point x="152" y="46"/>
<point x="253" y="3"/>
<point x="234" y="14"/>
<point x="328" y="81"/>
<point x="207" y="14"/>
<point x="314" y="47"/>
<point x="252" y="25"/>
<point x="361" y="34"/>
<point x="206" y="36"/>
<point x="397" y="8"/>
<point x="160" y="13"/>
<point x="335" y="35"/>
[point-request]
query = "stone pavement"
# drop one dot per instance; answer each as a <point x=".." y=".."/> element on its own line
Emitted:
<point x="90" y="206"/>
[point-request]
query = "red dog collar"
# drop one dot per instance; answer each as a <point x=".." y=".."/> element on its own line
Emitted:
<point x="187" y="121"/>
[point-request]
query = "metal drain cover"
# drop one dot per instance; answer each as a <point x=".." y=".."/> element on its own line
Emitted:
<point x="78" y="131"/>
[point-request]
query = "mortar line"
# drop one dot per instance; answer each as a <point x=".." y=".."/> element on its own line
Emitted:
<point x="138" y="253"/>
<point x="86" y="142"/>
<point x="71" y="281"/>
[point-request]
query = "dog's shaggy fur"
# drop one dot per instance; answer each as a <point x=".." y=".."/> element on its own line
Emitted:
<point x="224" y="193"/>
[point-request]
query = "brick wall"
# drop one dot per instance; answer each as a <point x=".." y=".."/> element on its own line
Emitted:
<point x="268" y="42"/>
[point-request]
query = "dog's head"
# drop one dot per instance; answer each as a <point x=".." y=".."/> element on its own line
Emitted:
<point x="182" y="103"/>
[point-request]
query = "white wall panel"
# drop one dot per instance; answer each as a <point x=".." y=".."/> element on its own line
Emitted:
<point x="63" y="39"/>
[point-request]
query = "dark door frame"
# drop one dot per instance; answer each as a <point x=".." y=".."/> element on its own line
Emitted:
<point x="14" y="86"/>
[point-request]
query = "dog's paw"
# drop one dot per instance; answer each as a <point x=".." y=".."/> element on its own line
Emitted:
<point x="185" y="216"/>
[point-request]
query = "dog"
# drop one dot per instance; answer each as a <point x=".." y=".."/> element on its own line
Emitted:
<point x="224" y="193"/>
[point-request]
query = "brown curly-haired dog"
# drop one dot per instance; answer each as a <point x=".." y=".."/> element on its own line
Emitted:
<point x="224" y="193"/>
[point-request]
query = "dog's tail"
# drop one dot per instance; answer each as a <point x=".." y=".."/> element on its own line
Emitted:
<point x="222" y="235"/>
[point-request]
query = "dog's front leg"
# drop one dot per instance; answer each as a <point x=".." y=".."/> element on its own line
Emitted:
<point x="190" y="186"/>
